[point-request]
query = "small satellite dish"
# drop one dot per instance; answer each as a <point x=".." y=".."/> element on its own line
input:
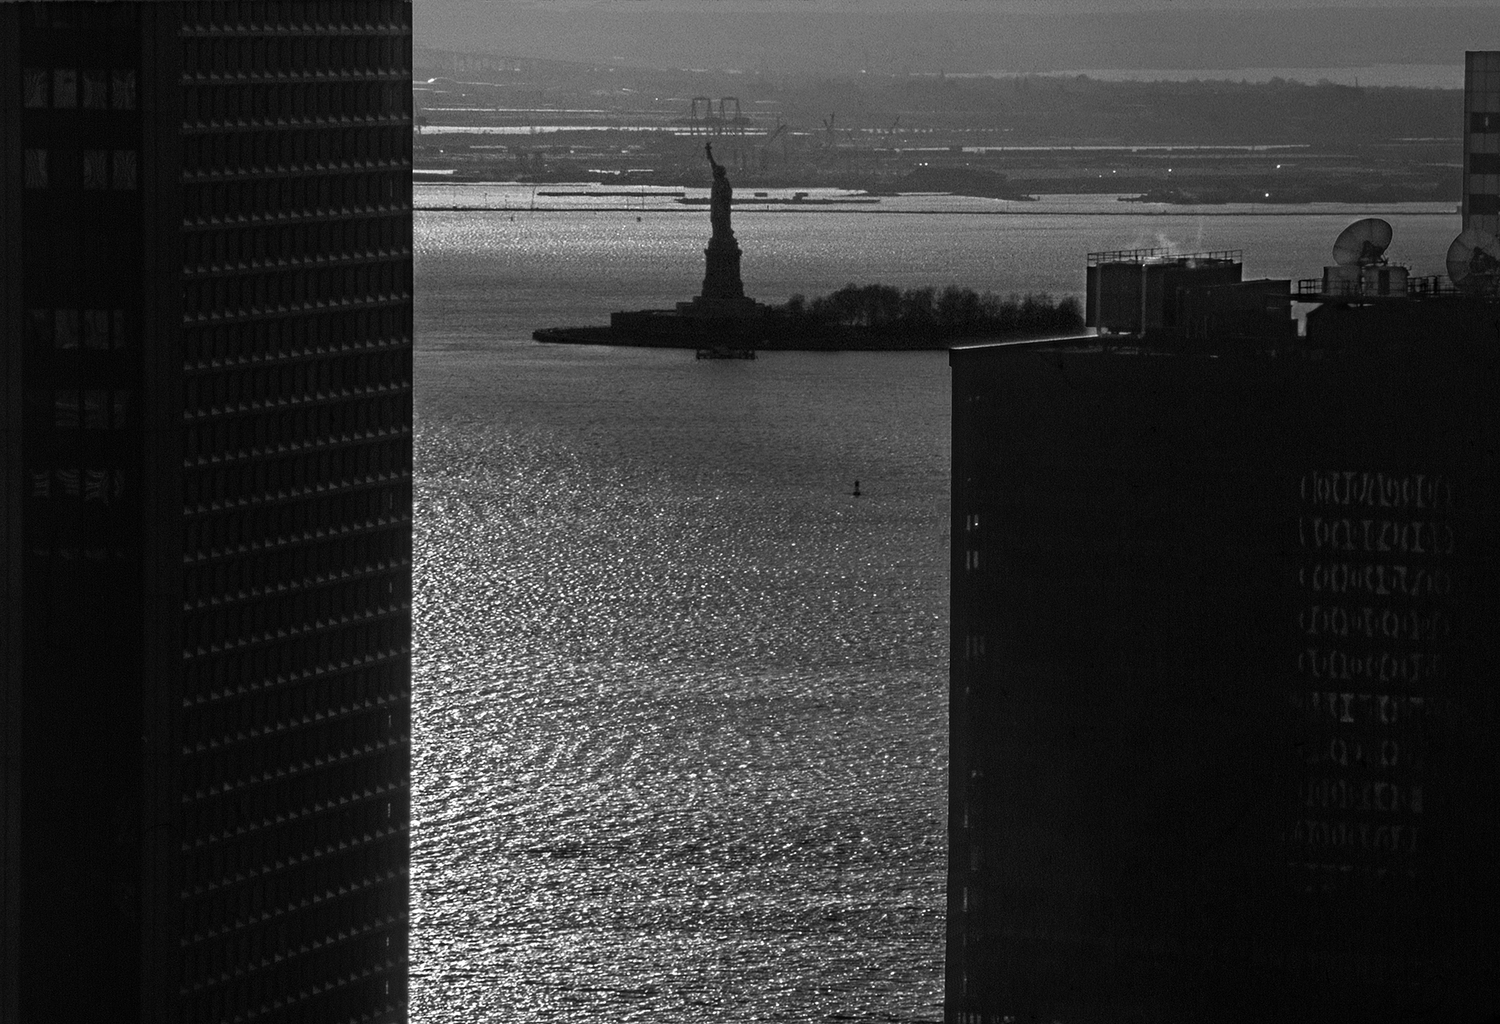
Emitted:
<point x="1363" y="243"/>
<point x="1474" y="261"/>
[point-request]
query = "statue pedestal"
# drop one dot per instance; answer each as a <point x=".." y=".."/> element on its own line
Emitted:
<point x="721" y="279"/>
<point x="723" y="291"/>
<point x="721" y="309"/>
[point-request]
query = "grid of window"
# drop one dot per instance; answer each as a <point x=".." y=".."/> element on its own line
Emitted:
<point x="1482" y="141"/>
<point x="103" y="89"/>
<point x="96" y="170"/>
<point x="297" y="496"/>
<point x="74" y="132"/>
<point x="80" y="133"/>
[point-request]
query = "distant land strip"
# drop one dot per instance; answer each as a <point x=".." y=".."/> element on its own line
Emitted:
<point x="1177" y="211"/>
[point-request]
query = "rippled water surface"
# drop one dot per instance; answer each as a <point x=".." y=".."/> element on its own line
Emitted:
<point x="680" y="701"/>
<point x="681" y="719"/>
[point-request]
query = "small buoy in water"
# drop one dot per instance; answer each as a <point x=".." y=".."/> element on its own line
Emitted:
<point x="637" y="220"/>
<point x="855" y="492"/>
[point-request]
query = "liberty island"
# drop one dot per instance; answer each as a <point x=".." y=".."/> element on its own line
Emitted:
<point x="722" y="322"/>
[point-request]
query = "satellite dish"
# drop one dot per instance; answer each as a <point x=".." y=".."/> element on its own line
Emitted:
<point x="1363" y="243"/>
<point x="1474" y="260"/>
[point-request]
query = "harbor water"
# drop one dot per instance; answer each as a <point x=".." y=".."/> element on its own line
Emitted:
<point x="680" y="696"/>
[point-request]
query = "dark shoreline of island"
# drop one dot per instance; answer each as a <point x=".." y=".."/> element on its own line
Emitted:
<point x="856" y="318"/>
<point x="854" y="341"/>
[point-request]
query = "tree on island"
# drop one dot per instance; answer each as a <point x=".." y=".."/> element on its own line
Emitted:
<point x="926" y="313"/>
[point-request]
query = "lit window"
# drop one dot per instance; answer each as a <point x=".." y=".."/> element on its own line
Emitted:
<point x="65" y="328"/>
<point x="95" y="90"/>
<point x="95" y="168"/>
<point x="36" y="168"/>
<point x="36" y="87"/>
<point x="125" y="175"/>
<point x="64" y="88"/>
<point x="123" y="90"/>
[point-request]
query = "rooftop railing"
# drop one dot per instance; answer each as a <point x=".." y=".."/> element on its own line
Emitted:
<point x="1164" y="255"/>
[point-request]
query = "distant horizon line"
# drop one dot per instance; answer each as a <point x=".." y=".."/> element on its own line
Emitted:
<point x="1407" y="75"/>
<point x="1022" y="8"/>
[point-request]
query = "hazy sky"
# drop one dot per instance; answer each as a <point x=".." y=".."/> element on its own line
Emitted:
<point x="966" y="35"/>
<point x="914" y="6"/>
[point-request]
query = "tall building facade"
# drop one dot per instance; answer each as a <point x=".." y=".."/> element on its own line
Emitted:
<point x="1221" y="702"/>
<point x="1481" y="209"/>
<point x="205" y="335"/>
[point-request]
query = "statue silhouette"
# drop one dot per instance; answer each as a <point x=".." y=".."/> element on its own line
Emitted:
<point x="721" y="196"/>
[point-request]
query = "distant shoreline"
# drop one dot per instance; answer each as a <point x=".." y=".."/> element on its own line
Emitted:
<point x="1171" y="211"/>
<point x="853" y="341"/>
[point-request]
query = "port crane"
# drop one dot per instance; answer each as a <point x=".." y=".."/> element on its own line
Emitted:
<point x="764" y="149"/>
<point x="716" y="120"/>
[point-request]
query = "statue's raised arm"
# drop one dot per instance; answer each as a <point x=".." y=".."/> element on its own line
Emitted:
<point x="708" y="148"/>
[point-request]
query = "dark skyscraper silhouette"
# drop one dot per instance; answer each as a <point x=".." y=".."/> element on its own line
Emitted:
<point x="205" y="333"/>
<point x="1222" y="710"/>
<point x="1481" y="208"/>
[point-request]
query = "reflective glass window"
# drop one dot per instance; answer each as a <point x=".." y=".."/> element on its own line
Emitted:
<point x="96" y="409"/>
<point x="95" y="90"/>
<point x="38" y="328"/>
<point x="124" y="168"/>
<point x="122" y="90"/>
<point x="64" y="88"/>
<point x="96" y="328"/>
<point x="36" y="168"/>
<point x="65" y="416"/>
<point x="96" y="485"/>
<point x="35" y="89"/>
<point x="65" y="329"/>
<point x="95" y="168"/>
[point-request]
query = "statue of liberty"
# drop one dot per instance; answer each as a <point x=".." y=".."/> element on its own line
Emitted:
<point x="721" y="196"/>
<point x="723" y="291"/>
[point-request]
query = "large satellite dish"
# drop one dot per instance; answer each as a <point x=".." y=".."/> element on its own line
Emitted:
<point x="1474" y="261"/>
<point x="1363" y="243"/>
